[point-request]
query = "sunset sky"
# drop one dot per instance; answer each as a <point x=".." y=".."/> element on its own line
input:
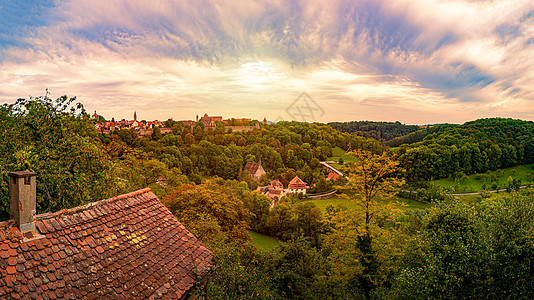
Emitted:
<point x="413" y="61"/>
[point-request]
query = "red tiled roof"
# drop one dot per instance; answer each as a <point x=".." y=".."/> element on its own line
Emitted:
<point x="126" y="247"/>
<point x="297" y="180"/>
<point x="297" y="183"/>
<point x="207" y="120"/>
<point x="274" y="193"/>
<point x="188" y="122"/>
<point x="252" y="167"/>
<point x="332" y="176"/>
<point x="276" y="184"/>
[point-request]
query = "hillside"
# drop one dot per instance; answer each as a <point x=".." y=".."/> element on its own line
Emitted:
<point x="381" y="131"/>
<point x="419" y="135"/>
<point x="473" y="147"/>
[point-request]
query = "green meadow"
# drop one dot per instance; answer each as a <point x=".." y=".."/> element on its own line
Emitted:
<point x="263" y="241"/>
<point x="338" y="200"/>
<point x="338" y="152"/>
<point x="490" y="180"/>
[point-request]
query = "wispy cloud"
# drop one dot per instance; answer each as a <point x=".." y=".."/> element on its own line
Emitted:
<point x="413" y="61"/>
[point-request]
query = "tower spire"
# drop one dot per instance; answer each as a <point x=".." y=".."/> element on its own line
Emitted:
<point x="135" y="115"/>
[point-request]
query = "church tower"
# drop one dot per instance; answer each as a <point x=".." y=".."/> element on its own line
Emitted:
<point x="135" y="115"/>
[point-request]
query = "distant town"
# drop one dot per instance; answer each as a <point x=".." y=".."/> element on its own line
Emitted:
<point x="144" y="127"/>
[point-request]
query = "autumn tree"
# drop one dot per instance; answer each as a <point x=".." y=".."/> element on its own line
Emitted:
<point x="190" y="203"/>
<point x="366" y="233"/>
<point x="374" y="180"/>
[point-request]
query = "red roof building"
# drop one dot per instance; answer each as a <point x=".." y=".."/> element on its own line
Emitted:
<point x="210" y="121"/>
<point x="255" y="170"/>
<point x="126" y="247"/>
<point x="332" y="176"/>
<point x="296" y="185"/>
<point x="275" y="185"/>
<point x="188" y="122"/>
<point x="275" y="194"/>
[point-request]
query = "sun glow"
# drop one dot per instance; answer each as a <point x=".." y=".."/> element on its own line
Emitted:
<point x="260" y="74"/>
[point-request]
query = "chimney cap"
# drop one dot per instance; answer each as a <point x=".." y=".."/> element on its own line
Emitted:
<point x="22" y="174"/>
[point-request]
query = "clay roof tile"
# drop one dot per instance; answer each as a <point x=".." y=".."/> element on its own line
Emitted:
<point x="85" y="252"/>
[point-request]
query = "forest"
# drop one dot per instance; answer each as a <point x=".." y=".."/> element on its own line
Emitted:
<point x="381" y="131"/>
<point x="374" y="248"/>
<point x="473" y="147"/>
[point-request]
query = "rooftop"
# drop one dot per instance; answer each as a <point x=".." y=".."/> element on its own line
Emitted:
<point x="297" y="181"/>
<point x="126" y="247"/>
<point x="252" y="167"/>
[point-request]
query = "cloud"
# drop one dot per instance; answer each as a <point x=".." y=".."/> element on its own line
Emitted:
<point x="394" y="59"/>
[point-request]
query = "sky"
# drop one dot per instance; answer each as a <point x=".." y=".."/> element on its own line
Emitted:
<point x="413" y="61"/>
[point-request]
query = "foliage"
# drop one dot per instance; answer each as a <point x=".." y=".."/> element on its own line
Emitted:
<point x="290" y="221"/>
<point x="293" y="270"/>
<point x="382" y="131"/>
<point x="470" y="252"/>
<point x="373" y="178"/>
<point x="57" y="140"/>
<point x="366" y="249"/>
<point x="361" y="242"/>
<point x="419" y="135"/>
<point x="474" y="147"/>
<point x="138" y="171"/>
<point x="282" y="148"/>
<point x="190" y="202"/>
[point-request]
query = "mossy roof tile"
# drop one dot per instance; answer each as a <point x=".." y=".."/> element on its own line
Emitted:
<point x="88" y="251"/>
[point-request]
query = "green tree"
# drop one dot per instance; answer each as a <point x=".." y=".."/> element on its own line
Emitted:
<point x="57" y="140"/>
<point x="189" y="139"/>
<point x="156" y="134"/>
<point x="451" y="258"/>
<point x="511" y="223"/>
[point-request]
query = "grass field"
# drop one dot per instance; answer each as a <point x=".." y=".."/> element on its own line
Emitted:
<point x="337" y="166"/>
<point x="337" y="200"/>
<point x="263" y="241"/>
<point x="338" y="152"/>
<point x="474" y="183"/>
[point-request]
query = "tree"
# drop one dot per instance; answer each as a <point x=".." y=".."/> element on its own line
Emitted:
<point x="199" y="131"/>
<point x="156" y="134"/>
<point x="449" y="259"/>
<point x="513" y="184"/>
<point x="373" y="180"/>
<point x="57" y="140"/>
<point x="190" y="202"/>
<point x="510" y="222"/>
<point x="189" y="139"/>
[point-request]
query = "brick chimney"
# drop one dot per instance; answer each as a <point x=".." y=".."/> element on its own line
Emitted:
<point x="23" y="194"/>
